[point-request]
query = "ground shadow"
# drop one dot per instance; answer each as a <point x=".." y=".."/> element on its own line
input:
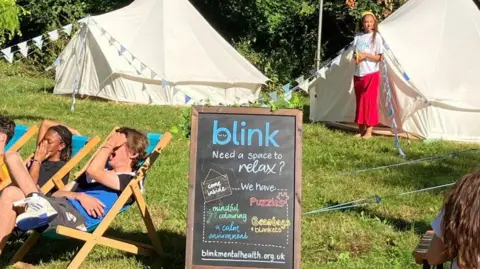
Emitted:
<point x="49" y="250"/>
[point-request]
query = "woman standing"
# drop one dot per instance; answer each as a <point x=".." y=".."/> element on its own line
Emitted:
<point x="368" y="47"/>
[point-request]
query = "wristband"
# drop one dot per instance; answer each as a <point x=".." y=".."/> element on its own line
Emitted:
<point x="35" y="160"/>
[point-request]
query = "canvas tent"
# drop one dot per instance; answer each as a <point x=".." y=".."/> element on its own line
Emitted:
<point x="155" y="52"/>
<point x="433" y="73"/>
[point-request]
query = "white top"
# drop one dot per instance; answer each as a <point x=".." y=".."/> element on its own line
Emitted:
<point x="362" y="43"/>
<point x="437" y="228"/>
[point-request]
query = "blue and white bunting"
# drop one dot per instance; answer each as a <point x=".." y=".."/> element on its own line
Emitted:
<point x="122" y="50"/>
<point x="273" y="96"/>
<point x="286" y="87"/>
<point x="187" y="99"/>
<point x="58" y="61"/>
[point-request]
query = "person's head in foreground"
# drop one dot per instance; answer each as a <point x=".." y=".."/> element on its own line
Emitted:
<point x="368" y="23"/>
<point x="461" y="222"/>
<point x="7" y="128"/>
<point x="55" y="146"/>
<point x="129" y="148"/>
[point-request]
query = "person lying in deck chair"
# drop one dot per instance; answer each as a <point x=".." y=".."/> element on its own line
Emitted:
<point x="82" y="202"/>
<point x="54" y="149"/>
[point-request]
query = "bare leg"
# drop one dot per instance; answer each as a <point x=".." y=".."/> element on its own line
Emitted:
<point x="368" y="133"/>
<point x="361" y="129"/>
<point x="7" y="197"/>
<point x="19" y="173"/>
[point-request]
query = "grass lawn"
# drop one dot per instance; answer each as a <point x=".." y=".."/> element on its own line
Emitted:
<point x="375" y="236"/>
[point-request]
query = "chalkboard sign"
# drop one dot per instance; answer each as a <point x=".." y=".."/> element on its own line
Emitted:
<point x="245" y="188"/>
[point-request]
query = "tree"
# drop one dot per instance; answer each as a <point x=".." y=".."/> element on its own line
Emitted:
<point x="9" y="19"/>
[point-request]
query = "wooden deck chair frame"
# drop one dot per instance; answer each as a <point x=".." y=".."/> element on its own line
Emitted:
<point x="97" y="236"/>
<point x="31" y="131"/>
<point x="56" y="180"/>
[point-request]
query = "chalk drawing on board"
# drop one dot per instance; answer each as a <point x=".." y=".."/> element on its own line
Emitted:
<point x="215" y="186"/>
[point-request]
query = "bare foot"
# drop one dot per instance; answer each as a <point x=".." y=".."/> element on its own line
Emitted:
<point x="366" y="136"/>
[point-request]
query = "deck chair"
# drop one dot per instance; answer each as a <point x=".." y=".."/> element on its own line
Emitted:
<point x="81" y="146"/>
<point x="21" y="135"/>
<point x="95" y="234"/>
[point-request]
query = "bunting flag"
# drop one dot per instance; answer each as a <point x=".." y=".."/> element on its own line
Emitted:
<point x="300" y="80"/>
<point x="23" y="48"/>
<point x="164" y="83"/>
<point x="111" y="40"/>
<point x="304" y="85"/>
<point x="67" y="29"/>
<point x="321" y="73"/>
<point x="58" y="61"/>
<point x="337" y="59"/>
<point x="53" y="35"/>
<point x="142" y="67"/>
<point x="286" y="87"/>
<point x="122" y="50"/>
<point x="38" y="41"/>
<point x="273" y="96"/>
<point x="153" y="74"/>
<point x="187" y="99"/>
<point x="288" y="96"/>
<point x="84" y="20"/>
<point x="7" y="54"/>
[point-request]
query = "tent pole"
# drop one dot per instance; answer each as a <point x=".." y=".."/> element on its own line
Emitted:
<point x="319" y="42"/>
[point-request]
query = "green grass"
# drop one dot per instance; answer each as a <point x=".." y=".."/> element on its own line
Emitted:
<point x="375" y="236"/>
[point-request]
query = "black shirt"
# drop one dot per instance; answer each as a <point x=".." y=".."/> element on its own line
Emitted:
<point x="47" y="170"/>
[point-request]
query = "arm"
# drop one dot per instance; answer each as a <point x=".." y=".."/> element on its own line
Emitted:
<point x="96" y="169"/>
<point x="374" y="57"/>
<point x="49" y="123"/>
<point x="436" y="252"/>
<point x="92" y="206"/>
<point x="41" y="154"/>
<point x="34" y="170"/>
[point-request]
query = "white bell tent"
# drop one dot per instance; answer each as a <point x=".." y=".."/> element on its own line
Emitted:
<point x="155" y="52"/>
<point x="433" y="73"/>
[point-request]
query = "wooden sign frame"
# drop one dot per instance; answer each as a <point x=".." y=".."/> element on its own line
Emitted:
<point x="196" y="111"/>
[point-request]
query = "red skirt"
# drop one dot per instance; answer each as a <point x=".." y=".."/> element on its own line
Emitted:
<point x="366" y="95"/>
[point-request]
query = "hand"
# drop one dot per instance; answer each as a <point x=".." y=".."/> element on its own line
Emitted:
<point x="363" y="56"/>
<point x="93" y="206"/>
<point x="41" y="154"/>
<point x="117" y="140"/>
